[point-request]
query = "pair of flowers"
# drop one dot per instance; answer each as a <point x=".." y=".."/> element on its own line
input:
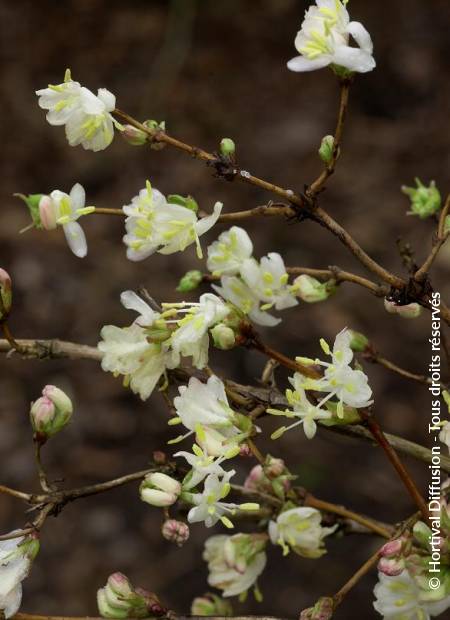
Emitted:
<point x="349" y="386"/>
<point x="253" y="287"/>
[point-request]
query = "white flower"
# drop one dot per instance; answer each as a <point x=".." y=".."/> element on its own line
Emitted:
<point x="208" y="506"/>
<point x="191" y="338"/>
<point x="399" y="598"/>
<point x="324" y="40"/>
<point x="306" y="412"/>
<point x="202" y="465"/>
<point x="203" y="403"/>
<point x="300" y="529"/>
<point x="154" y="225"/>
<point x="236" y="291"/>
<point x="269" y="281"/>
<point x="127" y="351"/>
<point x="87" y="117"/>
<point x="350" y="386"/>
<point x="226" y="255"/>
<point x="65" y="209"/>
<point x="444" y="435"/>
<point x="16" y="555"/>
<point x="234" y="562"/>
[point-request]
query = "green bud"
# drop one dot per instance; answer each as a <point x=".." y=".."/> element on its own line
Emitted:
<point x="211" y="605"/>
<point x="326" y="149"/>
<point x="50" y="413"/>
<point x="322" y="610"/>
<point x="227" y="147"/>
<point x="134" y="136"/>
<point x="223" y="337"/>
<point x="424" y="200"/>
<point x="359" y="342"/>
<point x="190" y="281"/>
<point x="311" y="290"/>
<point x="183" y="201"/>
<point x="5" y="293"/>
<point x="422" y="534"/>
<point x="32" y="201"/>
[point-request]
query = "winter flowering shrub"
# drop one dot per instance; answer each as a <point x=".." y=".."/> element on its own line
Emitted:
<point x="168" y="348"/>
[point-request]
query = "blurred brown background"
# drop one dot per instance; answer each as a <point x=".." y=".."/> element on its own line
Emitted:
<point x="210" y="69"/>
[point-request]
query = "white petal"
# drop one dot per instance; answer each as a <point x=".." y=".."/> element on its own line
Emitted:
<point x="90" y="103"/>
<point x="77" y="196"/>
<point x="11" y="603"/>
<point x="353" y="59"/>
<point x="76" y="239"/>
<point x="361" y="36"/>
<point x="131" y="301"/>
<point x="205" y="223"/>
<point x="300" y="63"/>
<point x="107" y="98"/>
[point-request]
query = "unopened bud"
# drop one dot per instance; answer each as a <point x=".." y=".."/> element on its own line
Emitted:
<point x="159" y="457"/>
<point x="227" y="147"/>
<point x="175" y="531"/>
<point x="183" y="201"/>
<point x="47" y="213"/>
<point x="159" y="489"/>
<point x="133" y="135"/>
<point x="119" y="599"/>
<point x="391" y="566"/>
<point x="157" y="127"/>
<point x="407" y="311"/>
<point x="359" y="342"/>
<point x="223" y="337"/>
<point x="392" y="548"/>
<point x="120" y="585"/>
<point x="424" y="200"/>
<point x="255" y="478"/>
<point x="5" y="293"/>
<point x="274" y="467"/>
<point x="310" y="290"/>
<point x="190" y="281"/>
<point x="322" y="610"/>
<point x="211" y="605"/>
<point x="326" y="149"/>
<point x="50" y="413"/>
<point x="422" y="534"/>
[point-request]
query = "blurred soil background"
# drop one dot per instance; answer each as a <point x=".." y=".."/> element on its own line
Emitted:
<point x="210" y="69"/>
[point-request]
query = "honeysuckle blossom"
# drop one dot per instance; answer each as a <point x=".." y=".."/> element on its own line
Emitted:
<point x="348" y="385"/>
<point x="236" y="291"/>
<point x="191" y="338"/>
<point x="299" y="529"/>
<point x="268" y="279"/>
<point x="226" y="255"/>
<point x="155" y="225"/>
<point x="202" y="465"/>
<point x="208" y="505"/>
<point x="303" y="410"/>
<point x="235" y="562"/>
<point x="87" y="117"/>
<point x="400" y="598"/>
<point x="120" y="599"/>
<point x="65" y="209"/>
<point x="324" y="40"/>
<point x="16" y="556"/>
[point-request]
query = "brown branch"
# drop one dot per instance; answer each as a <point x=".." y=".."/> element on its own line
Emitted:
<point x="14" y="493"/>
<point x="440" y="238"/>
<point x="340" y="276"/>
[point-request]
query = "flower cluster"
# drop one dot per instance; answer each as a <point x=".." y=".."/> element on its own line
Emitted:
<point x="299" y="529"/>
<point x="157" y="341"/>
<point x="348" y="385"/>
<point x="157" y="224"/>
<point x="87" y="117"/>
<point x="324" y="38"/>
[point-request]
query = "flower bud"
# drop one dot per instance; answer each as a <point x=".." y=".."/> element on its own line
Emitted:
<point x="424" y="200"/>
<point x="5" y="293"/>
<point x="159" y="457"/>
<point x="160" y="489"/>
<point x="183" y="201"/>
<point x="119" y="599"/>
<point x="50" y="413"/>
<point x="326" y="149"/>
<point x="211" y="605"/>
<point x="422" y="534"/>
<point x="47" y="213"/>
<point x="392" y="548"/>
<point x="175" y="531"/>
<point x="274" y="467"/>
<point x="223" y="337"/>
<point x="407" y="311"/>
<point x="134" y="136"/>
<point x="311" y="290"/>
<point x="156" y="127"/>
<point x="227" y="147"/>
<point x="391" y="566"/>
<point x="255" y="478"/>
<point x="190" y="281"/>
<point x="359" y="342"/>
<point x="322" y="610"/>
<point x="120" y="585"/>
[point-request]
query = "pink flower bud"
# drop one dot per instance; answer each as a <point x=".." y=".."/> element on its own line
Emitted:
<point x="175" y="531"/>
<point x="120" y="585"/>
<point x="42" y="414"/>
<point x="254" y="478"/>
<point x="47" y="213"/>
<point x="322" y="610"/>
<point x="392" y="548"/>
<point x="391" y="566"/>
<point x="134" y="136"/>
<point x="275" y="467"/>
